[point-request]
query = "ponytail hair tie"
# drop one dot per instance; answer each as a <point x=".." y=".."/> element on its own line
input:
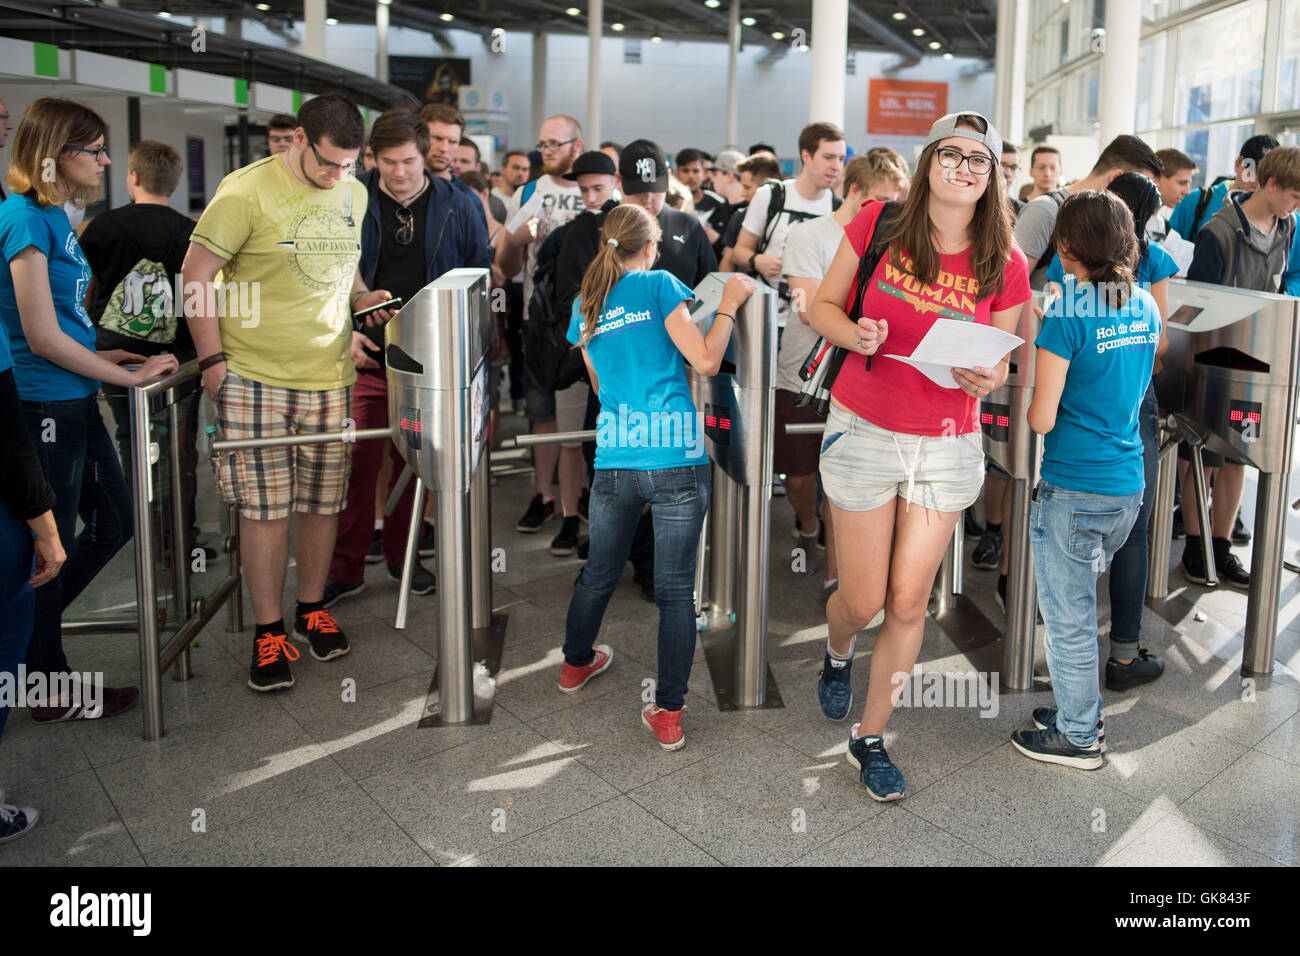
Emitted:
<point x="612" y="242"/>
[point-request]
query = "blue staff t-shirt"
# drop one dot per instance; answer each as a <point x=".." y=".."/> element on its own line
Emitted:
<point x="23" y="223"/>
<point x="647" y="417"/>
<point x="1096" y="447"/>
<point x="1156" y="265"/>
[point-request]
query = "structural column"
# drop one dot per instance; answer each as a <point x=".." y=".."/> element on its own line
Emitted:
<point x="381" y="41"/>
<point x="595" y="25"/>
<point x="1117" y="108"/>
<point x="313" y="25"/>
<point x="1012" y="53"/>
<point x="539" y="81"/>
<point x="829" y="47"/>
<point x="733" y="57"/>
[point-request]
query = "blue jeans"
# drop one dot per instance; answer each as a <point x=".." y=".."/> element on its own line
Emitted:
<point x="679" y="498"/>
<point x="81" y="465"/>
<point x="17" y="599"/>
<point x="1074" y="536"/>
<point x="1128" y="572"/>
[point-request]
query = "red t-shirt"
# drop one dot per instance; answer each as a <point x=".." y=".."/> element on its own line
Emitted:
<point x="894" y="395"/>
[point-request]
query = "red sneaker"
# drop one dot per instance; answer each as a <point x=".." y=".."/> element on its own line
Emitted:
<point x="666" y="724"/>
<point x="573" y="679"/>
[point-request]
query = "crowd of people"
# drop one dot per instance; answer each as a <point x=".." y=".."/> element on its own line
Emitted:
<point x="597" y="252"/>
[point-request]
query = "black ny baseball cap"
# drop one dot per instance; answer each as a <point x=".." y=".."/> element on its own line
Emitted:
<point x="643" y="168"/>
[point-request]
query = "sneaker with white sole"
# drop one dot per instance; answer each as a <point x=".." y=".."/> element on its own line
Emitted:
<point x="1045" y="719"/>
<point x="573" y="679"/>
<point x="16" y="822"/>
<point x="1052" y="746"/>
<point x="666" y="725"/>
<point x="884" y="781"/>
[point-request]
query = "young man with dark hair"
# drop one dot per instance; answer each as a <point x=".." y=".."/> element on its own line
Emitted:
<point x="446" y="130"/>
<point x="416" y="227"/>
<point x="467" y="156"/>
<point x="1246" y="244"/>
<point x="279" y="133"/>
<point x="755" y="171"/>
<point x="1037" y="221"/>
<point x="777" y="206"/>
<point x="762" y="148"/>
<point x="1010" y="170"/>
<point x="514" y="173"/>
<point x="135" y="253"/>
<point x="1174" y="182"/>
<point x="691" y="173"/>
<point x="288" y="226"/>
<point x="542" y="205"/>
<point x="1044" y="171"/>
<point x="1195" y="209"/>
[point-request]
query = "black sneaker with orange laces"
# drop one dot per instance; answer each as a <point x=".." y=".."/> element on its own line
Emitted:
<point x="271" y="655"/>
<point x="322" y="633"/>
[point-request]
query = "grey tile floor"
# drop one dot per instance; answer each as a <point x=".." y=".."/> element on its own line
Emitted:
<point x="1200" y="771"/>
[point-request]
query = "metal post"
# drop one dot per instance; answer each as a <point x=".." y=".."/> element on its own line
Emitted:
<point x="1162" y="522"/>
<point x="722" y="547"/>
<point x="701" y="556"/>
<point x="948" y="582"/>
<point x="1266" y="569"/>
<point x="180" y="530"/>
<point x="145" y="587"/>
<point x="1022" y="604"/>
<point x="235" y="612"/>
<point x="480" y="542"/>
<point x="413" y="553"/>
<point x="751" y="573"/>
<point x="1203" y="513"/>
<point x="455" y="663"/>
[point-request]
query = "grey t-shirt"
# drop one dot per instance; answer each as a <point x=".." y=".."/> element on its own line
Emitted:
<point x="809" y="250"/>
<point x="1033" y="232"/>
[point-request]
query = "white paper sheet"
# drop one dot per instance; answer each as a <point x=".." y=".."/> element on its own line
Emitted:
<point x="952" y="343"/>
<point x="527" y="211"/>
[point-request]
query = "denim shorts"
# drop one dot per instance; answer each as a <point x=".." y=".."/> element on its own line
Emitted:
<point x="864" y="466"/>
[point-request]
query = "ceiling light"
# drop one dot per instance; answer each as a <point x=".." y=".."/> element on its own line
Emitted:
<point x="332" y="21"/>
<point x="917" y="32"/>
<point x="778" y="35"/>
<point x="947" y="56"/>
<point x="446" y="17"/>
<point x="748" y="21"/>
<point x="617" y="27"/>
<point x="164" y="14"/>
<point x="900" y="15"/>
<point x="385" y="3"/>
<point x="498" y="31"/>
<point x="264" y="7"/>
<point x="573" y="11"/>
<point x="713" y="4"/>
<point x="935" y="44"/>
<point x="656" y="39"/>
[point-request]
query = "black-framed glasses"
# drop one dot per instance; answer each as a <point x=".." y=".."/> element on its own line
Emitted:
<point x="980" y="164"/>
<point x="346" y="168"/>
<point x="550" y="145"/>
<point x="101" y="153"/>
<point x="405" y="226"/>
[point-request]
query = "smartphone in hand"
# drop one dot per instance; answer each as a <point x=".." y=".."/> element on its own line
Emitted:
<point x="359" y="318"/>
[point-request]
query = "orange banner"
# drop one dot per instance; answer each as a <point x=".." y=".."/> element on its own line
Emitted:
<point x="904" y="107"/>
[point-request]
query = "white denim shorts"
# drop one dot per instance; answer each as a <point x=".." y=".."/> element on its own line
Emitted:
<point x="864" y="466"/>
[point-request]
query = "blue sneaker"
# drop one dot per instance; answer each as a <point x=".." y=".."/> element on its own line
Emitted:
<point x="1052" y="746"/>
<point x="835" y="687"/>
<point x="882" y="779"/>
<point x="1045" y="719"/>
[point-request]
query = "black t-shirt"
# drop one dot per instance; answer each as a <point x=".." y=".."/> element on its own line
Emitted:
<point x="718" y="220"/>
<point x="401" y="269"/>
<point x="114" y="242"/>
<point x="684" y="249"/>
<point x="731" y="234"/>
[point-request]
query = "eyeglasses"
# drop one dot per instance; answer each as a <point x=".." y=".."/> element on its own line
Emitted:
<point x="405" y="226"/>
<point x="101" y="153"/>
<point x="978" y="163"/>
<point x="346" y="168"/>
<point x="550" y="145"/>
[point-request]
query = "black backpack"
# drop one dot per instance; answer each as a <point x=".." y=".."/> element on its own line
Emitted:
<point x="1205" y="194"/>
<point x="552" y="361"/>
<point x="776" y="206"/>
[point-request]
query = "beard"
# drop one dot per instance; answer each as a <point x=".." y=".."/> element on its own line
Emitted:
<point x="560" y="164"/>
<point x="439" y="163"/>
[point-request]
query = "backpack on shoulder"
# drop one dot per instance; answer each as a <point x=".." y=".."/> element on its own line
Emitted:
<point x="552" y="361"/>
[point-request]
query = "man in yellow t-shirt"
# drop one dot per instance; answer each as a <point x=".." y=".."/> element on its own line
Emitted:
<point x="270" y="282"/>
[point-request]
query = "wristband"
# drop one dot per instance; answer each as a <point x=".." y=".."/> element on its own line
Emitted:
<point x="216" y="358"/>
<point x="352" y="302"/>
<point x="727" y="314"/>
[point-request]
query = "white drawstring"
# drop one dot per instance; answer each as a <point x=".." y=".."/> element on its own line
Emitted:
<point x="910" y="472"/>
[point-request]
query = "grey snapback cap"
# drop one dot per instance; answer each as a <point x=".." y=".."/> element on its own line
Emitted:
<point x="946" y="126"/>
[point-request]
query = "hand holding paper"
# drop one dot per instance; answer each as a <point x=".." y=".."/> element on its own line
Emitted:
<point x="952" y="343"/>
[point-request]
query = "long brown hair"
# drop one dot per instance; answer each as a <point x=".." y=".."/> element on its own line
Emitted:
<point x="1096" y="228"/>
<point x="628" y="229"/>
<point x="49" y="126"/>
<point x="990" y="228"/>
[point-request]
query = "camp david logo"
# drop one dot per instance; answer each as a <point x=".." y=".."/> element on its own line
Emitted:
<point x="323" y="251"/>
<point x="645" y="168"/>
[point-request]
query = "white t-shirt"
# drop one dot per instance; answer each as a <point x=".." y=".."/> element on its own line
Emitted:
<point x="809" y="250"/>
<point x="755" y="221"/>
<point x="553" y="202"/>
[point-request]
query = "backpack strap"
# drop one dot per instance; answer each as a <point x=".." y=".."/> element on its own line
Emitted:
<point x="529" y="188"/>
<point x="775" y="206"/>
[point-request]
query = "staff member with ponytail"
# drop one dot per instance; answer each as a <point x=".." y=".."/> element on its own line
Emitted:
<point x="636" y="336"/>
<point x="902" y="457"/>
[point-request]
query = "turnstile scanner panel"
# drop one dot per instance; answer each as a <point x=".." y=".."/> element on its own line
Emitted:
<point x="737" y="395"/>
<point x="1009" y="442"/>
<point x="439" y="338"/>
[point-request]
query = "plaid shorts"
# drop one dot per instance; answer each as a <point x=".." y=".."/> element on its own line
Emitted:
<point x="266" y="482"/>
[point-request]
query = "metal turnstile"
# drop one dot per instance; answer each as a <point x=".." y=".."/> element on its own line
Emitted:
<point x="1011" y="444"/>
<point x="438" y="402"/>
<point x="738" y="407"/>
<point x="1230" y="379"/>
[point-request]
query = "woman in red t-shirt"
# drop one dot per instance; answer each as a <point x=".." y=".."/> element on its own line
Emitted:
<point x="903" y="456"/>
